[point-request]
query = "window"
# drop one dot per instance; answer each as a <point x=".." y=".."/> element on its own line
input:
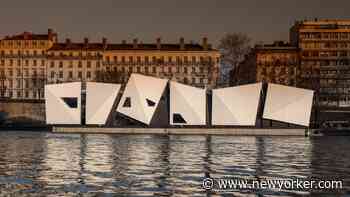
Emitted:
<point x="80" y="75"/>
<point x="89" y="64"/>
<point x="18" y="72"/>
<point x="170" y="59"/>
<point x="61" y="74"/>
<point x="52" y="75"/>
<point x="42" y="62"/>
<point x="26" y="62"/>
<point x="127" y="102"/>
<point x="80" y="64"/>
<point x="131" y="59"/>
<point x="72" y="102"/>
<point x="88" y="74"/>
<point x="70" y="64"/>
<point x="177" y="118"/>
<point x="26" y="94"/>
<point x="115" y="59"/>
<point x="193" y="59"/>
<point x="61" y="64"/>
<point x="34" y="63"/>
<point x="70" y="74"/>
<point x="150" y="103"/>
<point x="147" y="59"/>
<point x="52" y="64"/>
<point x="138" y="59"/>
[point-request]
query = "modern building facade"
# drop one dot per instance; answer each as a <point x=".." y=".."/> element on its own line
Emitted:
<point x="29" y="61"/>
<point x="325" y="52"/>
<point x="187" y="106"/>
<point x="317" y="57"/>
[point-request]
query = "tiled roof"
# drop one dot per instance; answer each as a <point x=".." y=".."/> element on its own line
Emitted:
<point x="28" y="36"/>
<point x="76" y="46"/>
<point x="112" y="47"/>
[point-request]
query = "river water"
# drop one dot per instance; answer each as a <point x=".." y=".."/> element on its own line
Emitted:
<point x="47" y="164"/>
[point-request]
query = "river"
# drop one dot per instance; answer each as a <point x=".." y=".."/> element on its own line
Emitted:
<point x="47" y="164"/>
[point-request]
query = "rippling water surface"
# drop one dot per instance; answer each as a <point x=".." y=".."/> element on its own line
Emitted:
<point x="46" y="164"/>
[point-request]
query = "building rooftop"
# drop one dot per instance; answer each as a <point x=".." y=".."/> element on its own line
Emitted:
<point x="115" y="47"/>
<point x="50" y="35"/>
<point x="277" y="45"/>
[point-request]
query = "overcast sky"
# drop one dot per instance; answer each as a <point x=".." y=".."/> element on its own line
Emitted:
<point x="262" y="20"/>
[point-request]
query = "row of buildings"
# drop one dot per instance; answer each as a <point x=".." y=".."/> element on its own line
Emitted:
<point x="29" y="61"/>
<point x="317" y="57"/>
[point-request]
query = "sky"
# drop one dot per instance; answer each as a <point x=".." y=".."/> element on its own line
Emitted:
<point x="262" y="20"/>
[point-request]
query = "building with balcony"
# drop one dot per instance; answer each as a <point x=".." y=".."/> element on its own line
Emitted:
<point x="270" y="63"/>
<point x="325" y="53"/>
<point x="29" y="61"/>
<point x="23" y="64"/>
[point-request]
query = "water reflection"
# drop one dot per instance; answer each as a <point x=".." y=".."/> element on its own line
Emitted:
<point x="47" y="164"/>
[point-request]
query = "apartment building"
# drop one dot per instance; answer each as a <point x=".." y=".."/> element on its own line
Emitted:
<point x="23" y="64"/>
<point x="29" y="61"/>
<point x="271" y="63"/>
<point x="325" y="53"/>
<point x="194" y="64"/>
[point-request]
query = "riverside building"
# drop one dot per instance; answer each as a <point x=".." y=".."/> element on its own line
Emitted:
<point x="29" y="61"/>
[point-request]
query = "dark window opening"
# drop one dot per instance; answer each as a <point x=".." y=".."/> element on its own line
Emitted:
<point x="150" y="103"/>
<point x="72" y="102"/>
<point x="127" y="102"/>
<point x="177" y="118"/>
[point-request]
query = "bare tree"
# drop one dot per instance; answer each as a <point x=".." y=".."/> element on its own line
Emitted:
<point x="233" y="48"/>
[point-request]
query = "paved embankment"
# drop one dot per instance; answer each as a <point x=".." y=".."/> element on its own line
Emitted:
<point x="183" y="131"/>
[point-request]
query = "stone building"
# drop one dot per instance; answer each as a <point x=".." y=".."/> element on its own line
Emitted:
<point x="194" y="64"/>
<point x="23" y="64"/>
<point x="29" y="61"/>
<point x="71" y="61"/>
<point x="325" y="52"/>
<point x="273" y="63"/>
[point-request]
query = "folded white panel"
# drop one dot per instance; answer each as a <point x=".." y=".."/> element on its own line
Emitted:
<point x="100" y="98"/>
<point x="288" y="104"/>
<point x="141" y="97"/>
<point x="187" y="105"/>
<point x="63" y="103"/>
<point x="236" y="105"/>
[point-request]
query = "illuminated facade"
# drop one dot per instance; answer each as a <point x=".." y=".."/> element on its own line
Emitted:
<point x="29" y="61"/>
<point x="325" y="53"/>
<point x="23" y="64"/>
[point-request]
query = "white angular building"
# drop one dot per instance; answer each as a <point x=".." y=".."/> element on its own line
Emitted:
<point x="141" y="97"/>
<point x="236" y="105"/>
<point x="63" y="103"/>
<point x="288" y="104"/>
<point x="100" y="98"/>
<point x="187" y="105"/>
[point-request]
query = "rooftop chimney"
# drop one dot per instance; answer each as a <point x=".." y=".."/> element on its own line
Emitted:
<point x="182" y="43"/>
<point x="26" y="35"/>
<point x="123" y="41"/>
<point x="104" y="43"/>
<point x="205" y="43"/>
<point x="86" y="42"/>
<point x="135" y="43"/>
<point x="159" y="45"/>
<point x="50" y="35"/>
<point x="68" y="42"/>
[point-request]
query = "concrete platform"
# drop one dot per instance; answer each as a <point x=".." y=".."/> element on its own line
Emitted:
<point x="184" y="131"/>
